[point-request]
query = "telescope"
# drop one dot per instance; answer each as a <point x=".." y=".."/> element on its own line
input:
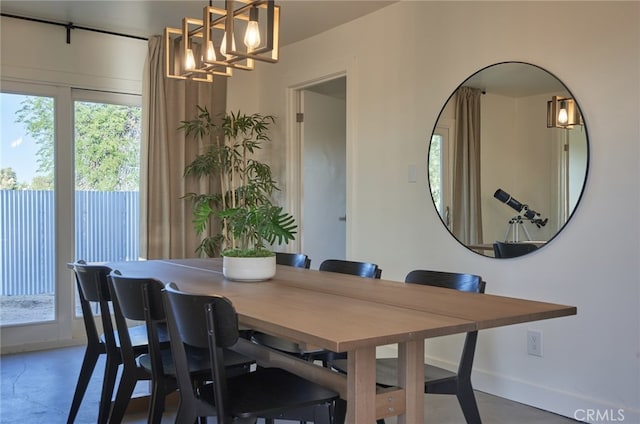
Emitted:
<point x="523" y="209"/>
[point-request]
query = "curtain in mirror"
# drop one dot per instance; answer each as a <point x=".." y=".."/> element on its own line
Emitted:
<point x="467" y="215"/>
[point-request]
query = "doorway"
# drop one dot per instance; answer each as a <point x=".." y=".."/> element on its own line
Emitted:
<point x="322" y="141"/>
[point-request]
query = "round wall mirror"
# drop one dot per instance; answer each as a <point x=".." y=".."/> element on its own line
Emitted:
<point x="508" y="159"/>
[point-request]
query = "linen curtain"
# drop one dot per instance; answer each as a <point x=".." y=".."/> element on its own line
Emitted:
<point x="466" y="203"/>
<point x="166" y="223"/>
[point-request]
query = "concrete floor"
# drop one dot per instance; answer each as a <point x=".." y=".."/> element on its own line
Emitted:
<point x="37" y="387"/>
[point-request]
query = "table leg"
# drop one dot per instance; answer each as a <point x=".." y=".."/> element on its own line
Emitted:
<point x="411" y="377"/>
<point x="361" y="386"/>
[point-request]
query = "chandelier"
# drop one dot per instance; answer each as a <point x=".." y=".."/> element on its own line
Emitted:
<point x="224" y="39"/>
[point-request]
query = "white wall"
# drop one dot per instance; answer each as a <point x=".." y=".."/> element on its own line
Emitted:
<point x="38" y="52"/>
<point x="402" y="63"/>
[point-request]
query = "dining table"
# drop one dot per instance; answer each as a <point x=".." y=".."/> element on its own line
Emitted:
<point x="346" y="313"/>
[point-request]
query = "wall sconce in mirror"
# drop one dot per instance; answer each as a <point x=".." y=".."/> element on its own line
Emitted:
<point x="495" y="132"/>
<point x="206" y="47"/>
<point x="563" y="113"/>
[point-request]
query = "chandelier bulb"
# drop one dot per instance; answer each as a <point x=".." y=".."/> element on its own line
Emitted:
<point x="189" y="60"/>
<point x="223" y="46"/>
<point x="252" y="35"/>
<point x="210" y="53"/>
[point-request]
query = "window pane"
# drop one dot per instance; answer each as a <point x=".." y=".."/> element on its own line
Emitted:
<point x="27" y="283"/>
<point x="107" y="175"/>
<point x="435" y="170"/>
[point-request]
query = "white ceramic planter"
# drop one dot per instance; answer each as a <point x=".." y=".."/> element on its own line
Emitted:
<point x="248" y="269"/>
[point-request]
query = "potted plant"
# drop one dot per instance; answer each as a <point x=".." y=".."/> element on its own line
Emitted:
<point x="248" y="222"/>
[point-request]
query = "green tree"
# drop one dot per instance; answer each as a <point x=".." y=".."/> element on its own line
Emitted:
<point x="106" y="139"/>
<point x="107" y="146"/>
<point x="40" y="182"/>
<point x="36" y="114"/>
<point x="435" y="170"/>
<point x="8" y="179"/>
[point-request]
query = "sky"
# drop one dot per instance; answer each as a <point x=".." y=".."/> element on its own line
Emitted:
<point x="17" y="149"/>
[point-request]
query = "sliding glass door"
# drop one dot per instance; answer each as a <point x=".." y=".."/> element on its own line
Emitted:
<point x="69" y="177"/>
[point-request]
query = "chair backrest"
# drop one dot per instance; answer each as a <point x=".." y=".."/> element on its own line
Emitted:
<point x="512" y="250"/>
<point x="93" y="286"/>
<point x="204" y="322"/>
<point x="449" y="280"/>
<point x="138" y="299"/>
<point x="189" y="309"/>
<point x="461" y="282"/>
<point x="362" y="269"/>
<point x="92" y="281"/>
<point x="296" y="260"/>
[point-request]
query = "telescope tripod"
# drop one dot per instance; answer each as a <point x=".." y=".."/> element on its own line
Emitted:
<point x="515" y="224"/>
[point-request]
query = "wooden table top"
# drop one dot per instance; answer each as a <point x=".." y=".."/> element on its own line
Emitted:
<point x="342" y="312"/>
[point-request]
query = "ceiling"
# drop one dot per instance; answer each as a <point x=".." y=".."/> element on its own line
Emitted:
<point x="515" y="80"/>
<point x="299" y="19"/>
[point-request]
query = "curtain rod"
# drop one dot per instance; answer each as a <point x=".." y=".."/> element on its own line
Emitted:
<point x="69" y="26"/>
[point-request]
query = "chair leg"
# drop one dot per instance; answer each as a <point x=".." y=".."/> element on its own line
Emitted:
<point x="467" y="401"/>
<point x="339" y="411"/>
<point x="188" y="415"/>
<point x="125" y="390"/>
<point x="156" y="407"/>
<point x="322" y="414"/>
<point x="91" y="355"/>
<point x="108" y="384"/>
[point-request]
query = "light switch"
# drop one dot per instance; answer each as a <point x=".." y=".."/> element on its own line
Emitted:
<point x="412" y="173"/>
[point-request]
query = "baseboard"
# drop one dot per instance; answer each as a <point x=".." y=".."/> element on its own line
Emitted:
<point x="32" y="347"/>
<point x="572" y="405"/>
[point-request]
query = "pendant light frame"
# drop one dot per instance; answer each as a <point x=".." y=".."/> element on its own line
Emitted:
<point x="217" y="22"/>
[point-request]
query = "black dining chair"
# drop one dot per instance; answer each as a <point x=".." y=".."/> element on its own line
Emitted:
<point x="361" y="269"/>
<point x="296" y="260"/>
<point x="199" y="321"/>
<point x="137" y="300"/>
<point x="439" y="380"/>
<point x="512" y="250"/>
<point x="140" y="299"/>
<point x="92" y="284"/>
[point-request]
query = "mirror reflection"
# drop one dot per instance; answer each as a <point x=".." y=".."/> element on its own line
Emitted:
<point x="508" y="159"/>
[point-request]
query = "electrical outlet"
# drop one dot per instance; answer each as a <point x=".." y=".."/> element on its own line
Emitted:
<point x="534" y="342"/>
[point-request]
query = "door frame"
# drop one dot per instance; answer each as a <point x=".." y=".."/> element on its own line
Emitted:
<point x="295" y="135"/>
<point x="59" y="332"/>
